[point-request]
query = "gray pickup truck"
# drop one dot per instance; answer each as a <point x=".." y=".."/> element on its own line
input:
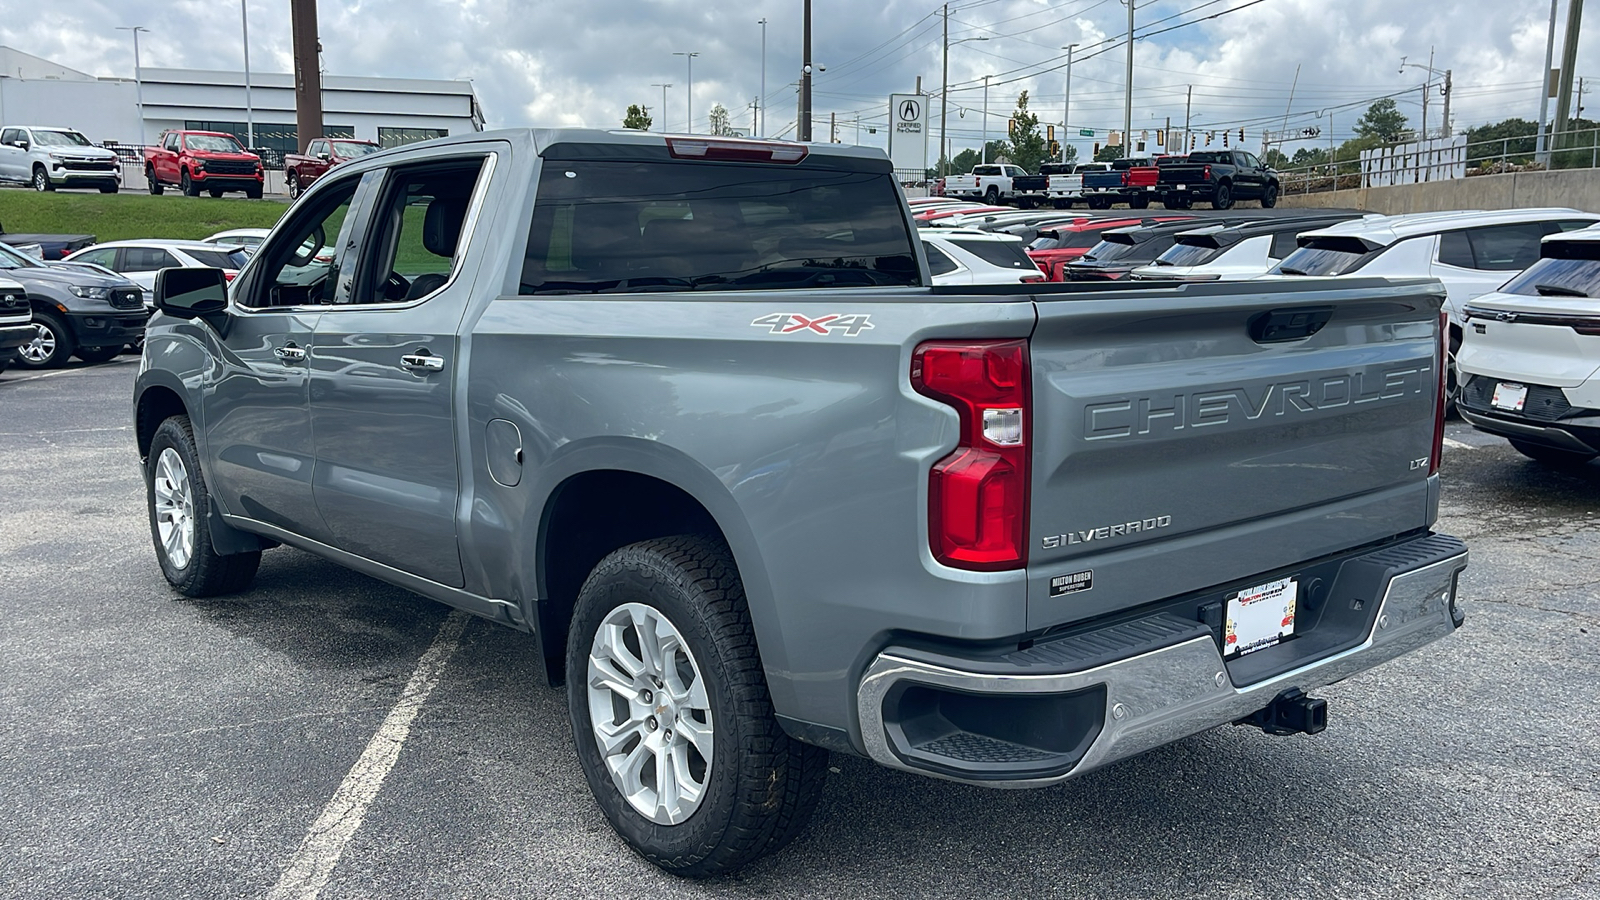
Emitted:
<point x="687" y="411"/>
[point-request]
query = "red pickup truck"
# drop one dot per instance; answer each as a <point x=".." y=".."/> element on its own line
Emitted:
<point x="211" y="161"/>
<point x="300" y="169"/>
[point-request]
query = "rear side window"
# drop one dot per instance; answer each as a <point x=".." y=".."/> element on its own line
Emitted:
<point x="1005" y="254"/>
<point x="939" y="262"/>
<point x="1498" y="248"/>
<point x="146" y="259"/>
<point x="624" y="225"/>
<point x="1283" y="244"/>
<point x="1455" y="249"/>
<point x="217" y="259"/>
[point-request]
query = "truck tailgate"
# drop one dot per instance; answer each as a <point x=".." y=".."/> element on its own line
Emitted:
<point x="1176" y="447"/>
<point x="1181" y="173"/>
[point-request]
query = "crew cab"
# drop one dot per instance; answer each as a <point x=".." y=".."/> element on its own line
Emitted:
<point x="16" y="320"/>
<point x="1530" y="360"/>
<point x="1220" y="176"/>
<point x="991" y="183"/>
<point x="50" y="157"/>
<point x="687" y="410"/>
<point x="77" y="310"/>
<point x="195" y="161"/>
<point x="300" y="170"/>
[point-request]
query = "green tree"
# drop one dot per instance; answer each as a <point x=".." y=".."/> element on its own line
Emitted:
<point x="1383" y="121"/>
<point x="1275" y="158"/>
<point x="1513" y="139"/>
<point x="1028" y="147"/>
<point x="964" y="162"/>
<point x="720" y="125"/>
<point x="1108" y="153"/>
<point x="638" y="118"/>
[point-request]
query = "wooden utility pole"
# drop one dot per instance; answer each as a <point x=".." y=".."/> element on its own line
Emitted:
<point x="307" y="75"/>
<point x="803" y="131"/>
<point x="944" y="91"/>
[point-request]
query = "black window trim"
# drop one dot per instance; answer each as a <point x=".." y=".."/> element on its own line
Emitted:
<point x="245" y="282"/>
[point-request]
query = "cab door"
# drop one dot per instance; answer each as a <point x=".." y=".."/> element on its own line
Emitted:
<point x="12" y="157"/>
<point x="383" y="371"/>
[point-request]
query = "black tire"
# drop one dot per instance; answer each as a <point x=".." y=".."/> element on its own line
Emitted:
<point x="214" y="192"/>
<point x="1552" y="456"/>
<point x="992" y="195"/>
<point x="150" y="176"/>
<point x="1140" y="202"/>
<point x="1062" y="203"/>
<point x="762" y="786"/>
<point x="1452" y="378"/>
<point x="1177" y="203"/>
<point x="54" y="346"/>
<point x="111" y="188"/>
<point x="1099" y="202"/>
<point x="1269" y="198"/>
<point x="1223" y="198"/>
<point x="99" y="354"/>
<point x="291" y="182"/>
<point x="253" y="192"/>
<point x="187" y="185"/>
<point x="204" y="573"/>
<point x="41" y="180"/>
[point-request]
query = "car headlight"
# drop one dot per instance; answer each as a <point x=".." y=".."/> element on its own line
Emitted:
<point x="199" y="165"/>
<point x="90" y="293"/>
<point x="57" y="155"/>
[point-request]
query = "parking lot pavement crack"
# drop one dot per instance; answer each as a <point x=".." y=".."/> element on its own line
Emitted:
<point x="1587" y="617"/>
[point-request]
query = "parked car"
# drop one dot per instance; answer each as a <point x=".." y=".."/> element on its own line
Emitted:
<point x="759" y="491"/>
<point x="49" y="157"/>
<point x="246" y="239"/>
<point x="76" y="312"/>
<point x="44" y="247"/>
<point x="1219" y="176"/>
<point x="301" y="170"/>
<point x="196" y="161"/>
<point x="990" y="183"/>
<point x="1054" y="248"/>
<point x="1471" y="251"/>
<point x="140" y="261"/>
<point x="933" y="215"/>
<point x="1121" y="250"/>
<point x="971" y="256"/>
<point x="1529" y="361"/>
<point x="16" y="320"/>
<point x="1129" y="180"/>
<point x="1236" y="251"/>
<point x="1056" y="184"/>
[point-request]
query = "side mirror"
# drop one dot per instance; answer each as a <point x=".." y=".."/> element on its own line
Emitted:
<point x="20" y="145"/>
<point x="191" y="293"/>
<point x="324" y="156"/>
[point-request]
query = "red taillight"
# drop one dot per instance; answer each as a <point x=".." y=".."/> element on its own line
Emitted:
<point x="228" y="274"/>
<point x="732" y="149"/>
<point x="1208" y="173"/>
<point x="978" y="495"/>
<point x="1438" y="412"/>
<point x="1031" y="278"/>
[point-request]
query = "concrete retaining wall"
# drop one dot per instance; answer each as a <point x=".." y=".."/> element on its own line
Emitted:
<point x="1576" y="188"/>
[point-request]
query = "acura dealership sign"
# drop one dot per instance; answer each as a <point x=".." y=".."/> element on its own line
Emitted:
<point x="908" y="131"/>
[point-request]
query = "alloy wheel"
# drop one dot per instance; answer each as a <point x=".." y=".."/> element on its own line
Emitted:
<point x="43" y="346"/>
<point x="174" y="502"/>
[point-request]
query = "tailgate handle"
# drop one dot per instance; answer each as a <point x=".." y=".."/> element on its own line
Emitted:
<point x="1277" y="325"/>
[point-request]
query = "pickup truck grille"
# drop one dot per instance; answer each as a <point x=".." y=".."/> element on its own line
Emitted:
<point x="12" y="301"/>
<point x="1544" y="404"/>
<point x="90" y="165"/>
<point x="230" y="167"/>
<point x="127" y="298"/>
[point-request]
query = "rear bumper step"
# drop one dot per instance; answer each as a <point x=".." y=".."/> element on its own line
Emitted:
<point x="1047" y="713"/>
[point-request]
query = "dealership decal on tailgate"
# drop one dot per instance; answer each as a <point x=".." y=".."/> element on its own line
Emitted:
<point x="1071" y="584"/>
<point x="1260" y="616"/>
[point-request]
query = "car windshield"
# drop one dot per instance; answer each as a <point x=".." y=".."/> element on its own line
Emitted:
<point x="350" y="149"/>
<point x="213" y="143"/>
<point x="60" y="139"/>
<point x="1558" y="278"/>
<point x="1188" y="255"/>
<point x="11" y="259"/>
<point x="611" y="226"/>
<point x="219" y="259"/>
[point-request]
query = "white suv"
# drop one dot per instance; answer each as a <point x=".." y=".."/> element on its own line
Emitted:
<point x="48" y="158"/>
<point x="1471" y="251"/>
<point x="1530" y="360"/>
<point x="970" y="256"/>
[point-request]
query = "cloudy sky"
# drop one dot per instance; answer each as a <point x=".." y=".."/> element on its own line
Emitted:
<point x="573" y="63"/>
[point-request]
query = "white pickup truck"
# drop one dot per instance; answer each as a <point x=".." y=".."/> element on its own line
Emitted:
<point x="990" y="183"/>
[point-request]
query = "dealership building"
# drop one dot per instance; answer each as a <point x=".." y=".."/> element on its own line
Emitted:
<point x="389" y="111"/>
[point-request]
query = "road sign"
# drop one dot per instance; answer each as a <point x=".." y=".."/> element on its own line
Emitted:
<point x="908" y="131"/>
<point x="1085" y="132"/>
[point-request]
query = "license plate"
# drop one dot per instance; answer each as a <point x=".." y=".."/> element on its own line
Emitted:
<point x="1509" y="396"/>
<point x="1260" y="616"/>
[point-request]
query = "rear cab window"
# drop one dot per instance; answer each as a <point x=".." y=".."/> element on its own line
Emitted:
<point x="653" y="223"/>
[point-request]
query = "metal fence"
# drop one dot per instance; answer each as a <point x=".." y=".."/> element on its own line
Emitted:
<point x="132" y="155"/>
<point x="1577" y="149"/>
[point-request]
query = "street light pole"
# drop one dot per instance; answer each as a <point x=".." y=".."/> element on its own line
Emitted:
<point x="1127" y="102"/>
<point x="249" y="108"/>
<point x="138" y="78"/>
<point x="761" y="109"/>
<point x="688" y="101"/>
<point x="1066" y="105"/>
<point x="663" y="105"/>
<point x="985" y="156"/>
<point x="1544" y="85"/>
<point x="803" y="126"/>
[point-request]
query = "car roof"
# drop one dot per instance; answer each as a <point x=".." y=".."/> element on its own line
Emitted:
<point x="1234" y="233"/>
<point x="1386" y="230"/>
<point x="241" y="232"/>
<point x="967" y="234"/>
<point x="163" y="244"/>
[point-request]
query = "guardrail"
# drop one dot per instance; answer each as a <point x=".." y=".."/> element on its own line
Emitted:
<point x="1574" y="149"/>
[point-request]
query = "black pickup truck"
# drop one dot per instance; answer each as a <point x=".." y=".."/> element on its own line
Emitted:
<point x="1220" y="176"/>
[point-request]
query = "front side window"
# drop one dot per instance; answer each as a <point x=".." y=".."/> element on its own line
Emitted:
<point x="146" y="259"/>
<point x="299" y="266"/>
<point x="212" y="143"/>
<point x="417" y="232"/>
<point x="11" y="136"/>
<point x="105" y="256"/>
<point x="618" y="226"/>
<point x="171" y="143"/>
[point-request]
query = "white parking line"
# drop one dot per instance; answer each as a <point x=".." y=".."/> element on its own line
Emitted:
<point x="52" y="374"/>
<point x="319" y="852"/>
<point x="1458" y="445"/>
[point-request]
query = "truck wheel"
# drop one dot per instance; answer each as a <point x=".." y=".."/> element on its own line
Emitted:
<point x="253" y="192"/>
<point x="1269" y="198"/>
<point x="41" y="180"/>
<point x="1551" y="456"/>
<point x="110" y="188"/>
<point x="150" y="177"/>
<point x="1062" y="204"/>
<point x="291" y="183"/>
<point x="1223" y="198"/>
<point x="1138" y="202"/>
<point x="187" y="185"/>
<point x="52" y="343"/>
<point x="214" y="192"/>
<point x="98" y="354"/>
<point x="179" y="505"/>
<point x="1099" y="202"/>
<point x="670" y="712"/>
<point x="992" y="195"/>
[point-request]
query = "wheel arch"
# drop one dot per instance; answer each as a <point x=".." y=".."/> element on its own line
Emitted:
<point x="154" y="403"/>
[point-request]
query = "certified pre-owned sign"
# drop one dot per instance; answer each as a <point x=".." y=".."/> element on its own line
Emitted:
<point x="908" y="134"/>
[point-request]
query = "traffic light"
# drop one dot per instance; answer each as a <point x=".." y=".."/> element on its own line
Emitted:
<point x="1055" y="148"/>
<point x="1161" y="137"/>
<point x="1050" y="133"/>
<point x="1225" y="139"/>
<point x="1011" y="127"/>
<point x="1096" y="150"/>
<point x="1241" y="135"/>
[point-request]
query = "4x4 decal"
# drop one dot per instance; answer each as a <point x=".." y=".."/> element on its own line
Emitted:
<point x="795" y="323"/>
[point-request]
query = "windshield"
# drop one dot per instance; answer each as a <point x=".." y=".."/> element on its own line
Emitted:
<point x="1187" y="255"/>
<point x="60" y="139"/>
<point x="349" y="149"/>
<point x="617" y="226"/>
<point x="212" y="143"/>
<point x="219" y="259"/>
<point x="1321" y="261"/>
<point x="1558" y="278"/>
<point x="11" y="259"/>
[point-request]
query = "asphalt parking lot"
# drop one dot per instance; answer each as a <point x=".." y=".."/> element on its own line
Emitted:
<point x="152" y="746"/>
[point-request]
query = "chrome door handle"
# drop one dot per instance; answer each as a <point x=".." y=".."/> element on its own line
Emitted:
<point x="422" y="361"/>
<point x="290" y="353"/>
